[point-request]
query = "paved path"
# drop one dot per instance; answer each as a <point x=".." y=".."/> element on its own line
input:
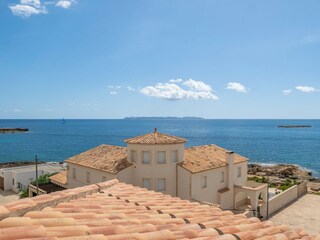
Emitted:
<point x="304" y="213"/>
<point x="7" y="196"/>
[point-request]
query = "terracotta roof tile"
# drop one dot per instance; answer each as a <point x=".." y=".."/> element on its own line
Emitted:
<point x="206" y="157"/>
<point x="104" y="157"/>
<point x="155" y="138"/>
<point x="59" y="178"/>
<point x="114" y="210"/>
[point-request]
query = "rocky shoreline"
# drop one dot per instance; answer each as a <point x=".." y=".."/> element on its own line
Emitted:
<point x="279" y="173"/>
<point x="13" y="130"/>
<point x="17" y="164"/>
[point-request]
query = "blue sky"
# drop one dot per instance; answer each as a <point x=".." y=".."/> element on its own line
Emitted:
<point x="112" y="59"/>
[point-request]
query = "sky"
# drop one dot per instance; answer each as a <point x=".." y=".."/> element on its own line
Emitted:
<point x="94" y="59"/>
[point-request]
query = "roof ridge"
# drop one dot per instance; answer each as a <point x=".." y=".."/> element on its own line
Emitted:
<point x="21" y="206"/>
<point x="155" y="138"/>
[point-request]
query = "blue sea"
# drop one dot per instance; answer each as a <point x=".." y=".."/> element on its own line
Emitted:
<point x="260" y="140"/>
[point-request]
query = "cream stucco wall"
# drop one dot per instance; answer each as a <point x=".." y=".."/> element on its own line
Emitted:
<point x="240" y="181"/>
<point x="214" y="184"/>
<point x="209" y="193"/>
<point x="280" y="200"/>
<point x="125" y="175"/>
<point x="184" y="183"/>
<point x="153" y="170"/>
<point x="81" y="176"/>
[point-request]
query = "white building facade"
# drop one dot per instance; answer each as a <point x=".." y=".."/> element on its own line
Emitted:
<point x="18" y="178"/>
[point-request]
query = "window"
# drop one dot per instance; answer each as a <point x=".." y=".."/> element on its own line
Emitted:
<point x="74" y="172"/>
<point x="174" y="156"/>
<point x="133" y="156"/>
<point x="146" y="183"/>
<point x="222" y="177"/>
<point x="239" y="171"/>
<point x="88" y="177"/>
<point x="13" y="181"/>
<point x="104" y="178"/>
<point x="161" y="184"/>
<point x="145" y="157"/>
<point x="203" y="181"/>
<point x="161" y="157"/>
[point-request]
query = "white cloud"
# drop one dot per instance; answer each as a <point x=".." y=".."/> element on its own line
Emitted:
<point x="25" y="11"/>
<point x="171" y="91"/>
<point x="26" y="8"/>
<point x="287" y="92"/>
<point x="130" y="88"/>
<point x="34" y="3"/>
<point x="114" y="87"/>
<point x="306" y="89"/>
<point x="65" y="3"/>
<point x="175" y="80"/>
<point x="238" y="87"/>
<point x="197" y="85"/>
<point x="113" y="93"/>
<point x="48" y="110"/>
<point x="16" y="110"/>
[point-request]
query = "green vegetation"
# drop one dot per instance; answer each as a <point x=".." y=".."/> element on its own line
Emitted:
<point x="287" y="184"/>
<point x="41" y="179"/>
<point x="258" y="179"/>
<point x="24" y="193"/>
<point x="283" y="186"/>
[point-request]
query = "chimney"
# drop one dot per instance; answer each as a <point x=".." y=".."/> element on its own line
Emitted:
<point x="229" y="158"/>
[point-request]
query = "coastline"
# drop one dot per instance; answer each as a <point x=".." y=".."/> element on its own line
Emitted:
<point x="314" y="173"/>
<point x="277" y="175"/>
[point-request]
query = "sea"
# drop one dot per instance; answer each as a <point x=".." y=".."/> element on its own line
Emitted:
<point x="259" y="140"/>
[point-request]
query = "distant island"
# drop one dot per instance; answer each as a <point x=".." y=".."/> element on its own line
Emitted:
<point x="294" y="126"/>
<point x="163" y="118"/>
<point x="13" y="130"/>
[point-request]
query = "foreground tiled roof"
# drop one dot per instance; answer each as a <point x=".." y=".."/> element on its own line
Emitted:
<point x="155" y="138"/>
<point x="115" y="211"/>
<point x="59" y="178"/>
<point x="202" y="158"/>
<point x="104" y="157"/>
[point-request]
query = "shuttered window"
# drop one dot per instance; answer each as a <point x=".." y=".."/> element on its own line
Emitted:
<point x="222" y="177"/>
<point x="174" y="156"/>
<point x="146" y="183"/>
<point x="161" y="184"/>
<point x="146" y="157"/>
<point x="133" y="156"/>
<point x="161" y="157"/>
<point x="203" y="181"/>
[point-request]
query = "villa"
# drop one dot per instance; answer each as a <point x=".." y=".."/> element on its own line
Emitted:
<point x="160" y="162"/>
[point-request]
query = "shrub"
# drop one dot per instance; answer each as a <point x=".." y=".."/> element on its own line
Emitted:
<point x="43" y="178"/>
<point x="24" y="193"/>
